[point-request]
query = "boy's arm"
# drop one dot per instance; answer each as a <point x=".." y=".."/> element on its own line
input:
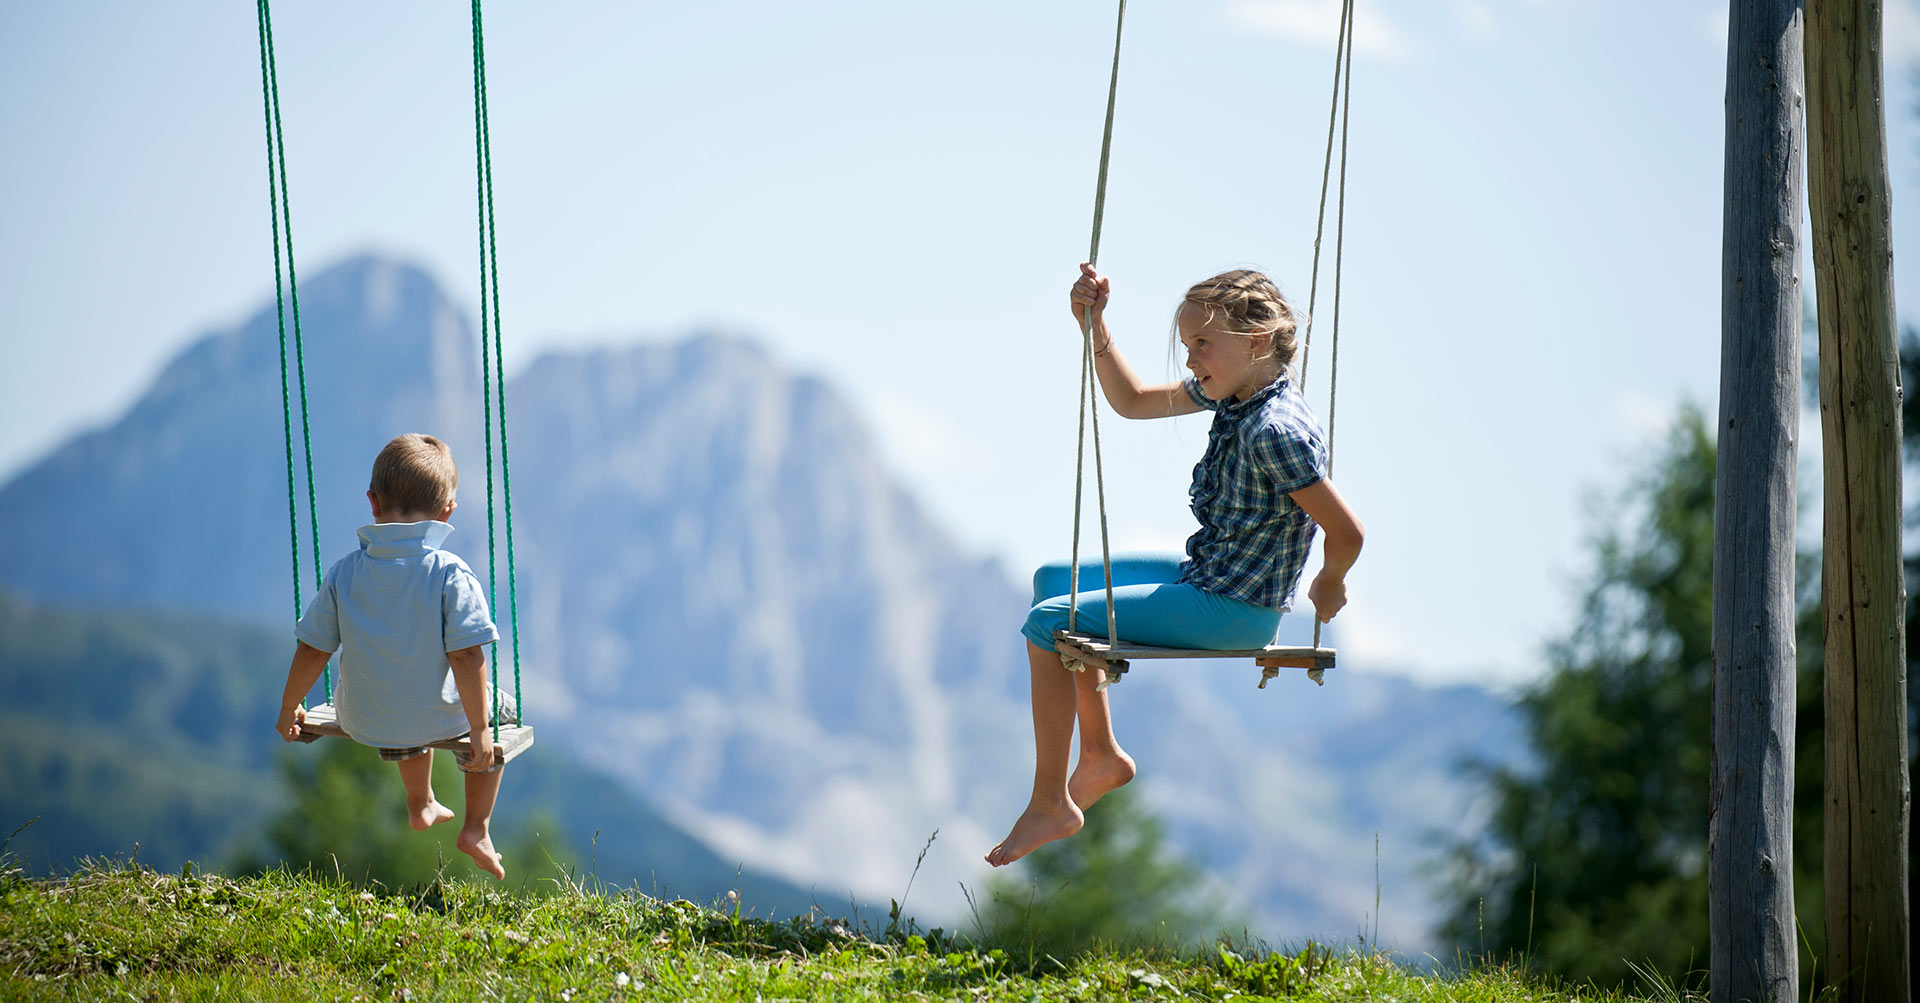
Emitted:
<point x="308" y="663"/>
<point x="1342" y="547"/>
<point x="470" y="678"/>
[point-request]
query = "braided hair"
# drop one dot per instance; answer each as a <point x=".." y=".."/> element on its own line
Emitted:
<point x="1251" y="305"/>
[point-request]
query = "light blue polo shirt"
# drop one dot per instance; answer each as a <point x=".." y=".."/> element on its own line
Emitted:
<point x="393" y="609"/>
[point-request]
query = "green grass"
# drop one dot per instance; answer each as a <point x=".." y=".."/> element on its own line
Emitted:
<point x="116" y="932"/>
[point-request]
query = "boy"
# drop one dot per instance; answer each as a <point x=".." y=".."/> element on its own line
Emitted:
<point x="409" y="621"/>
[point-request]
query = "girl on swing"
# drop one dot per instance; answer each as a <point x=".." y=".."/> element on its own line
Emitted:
<point x="1259" y="493"/>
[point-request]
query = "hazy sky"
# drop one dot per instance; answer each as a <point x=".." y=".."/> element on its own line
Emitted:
<point x="895" y="196"/>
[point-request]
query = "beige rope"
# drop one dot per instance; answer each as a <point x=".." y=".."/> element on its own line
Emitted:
<point x="1343" y="58"/>
<point x="1087" y="404"/>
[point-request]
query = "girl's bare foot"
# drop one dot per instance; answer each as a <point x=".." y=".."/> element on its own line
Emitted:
<point x="428" y="815"/>
<point x="477" y="844"/>
<point x="1037" y="827"/>
<point x="1096" y="775"/>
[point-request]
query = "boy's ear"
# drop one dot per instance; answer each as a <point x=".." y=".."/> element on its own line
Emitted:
<point x="447" y="513"/>
<point x="373" y="500"/>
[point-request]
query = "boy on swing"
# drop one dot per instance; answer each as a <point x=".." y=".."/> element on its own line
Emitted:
<point x="409" y="621"/>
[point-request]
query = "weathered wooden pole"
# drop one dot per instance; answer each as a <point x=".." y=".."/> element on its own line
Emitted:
<point x="1863" y="589"/>
<point x="1750" y="801"/>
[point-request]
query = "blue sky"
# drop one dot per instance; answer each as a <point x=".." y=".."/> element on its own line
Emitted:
<point x="895" y="196"/>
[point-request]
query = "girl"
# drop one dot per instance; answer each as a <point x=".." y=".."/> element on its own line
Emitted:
<point x="1259" y="492"/>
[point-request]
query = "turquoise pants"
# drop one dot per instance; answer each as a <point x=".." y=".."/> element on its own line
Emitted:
<point x="1149" y="608"/>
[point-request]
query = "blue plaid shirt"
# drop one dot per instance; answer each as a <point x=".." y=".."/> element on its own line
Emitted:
<point x="1253" y="539"/>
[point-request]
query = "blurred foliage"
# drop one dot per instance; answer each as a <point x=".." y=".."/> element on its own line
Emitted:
<point x="1595" y="855"/>
<point x="346" y="818"/>
<point x="94" y="790"/>
<point x="189" y="680"/>
<point x="1593" y="860"/>
<point x="131" y="732"/>
<point x="1113" y="884"/>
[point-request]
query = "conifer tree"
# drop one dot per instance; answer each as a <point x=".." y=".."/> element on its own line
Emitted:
<point x="1594" y="856"/>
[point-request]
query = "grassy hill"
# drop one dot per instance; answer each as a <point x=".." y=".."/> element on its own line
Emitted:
<point x="115" y="932"/>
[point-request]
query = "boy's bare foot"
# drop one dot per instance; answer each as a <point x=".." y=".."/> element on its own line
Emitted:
<point x="1036" y="827"/>
<point x="1094" y="776"/>
<point x="428" y="815"/>
<point x="477" y="844"/>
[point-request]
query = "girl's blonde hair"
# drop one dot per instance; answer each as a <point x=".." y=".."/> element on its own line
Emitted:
<point x="1252" y="305"/>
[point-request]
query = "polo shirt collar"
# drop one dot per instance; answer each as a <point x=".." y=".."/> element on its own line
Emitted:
<point x="403" y="539"/>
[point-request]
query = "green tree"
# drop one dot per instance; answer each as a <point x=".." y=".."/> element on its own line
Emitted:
<point x="1115" y="882"/>
<point x="346" y="815"/>
<point x="1594" y="853"/>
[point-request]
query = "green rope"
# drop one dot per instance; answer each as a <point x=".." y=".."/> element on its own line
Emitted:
<point x="281" y="205"/>
<point x="1088" y="405"/>
<point x="490" y="286"/>
<point x="279" y="297"/>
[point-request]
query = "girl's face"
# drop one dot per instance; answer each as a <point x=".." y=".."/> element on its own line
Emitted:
<point x="1224" y="361"/>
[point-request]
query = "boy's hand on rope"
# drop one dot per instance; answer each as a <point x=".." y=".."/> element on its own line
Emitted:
<point x="290" y="722"/>
<point x="1091" y="290"/>
<point x="1329" y="594"/>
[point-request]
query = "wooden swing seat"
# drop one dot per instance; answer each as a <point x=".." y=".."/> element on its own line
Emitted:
<point x="322" y="721"/>
<point x="1112" y="659"/>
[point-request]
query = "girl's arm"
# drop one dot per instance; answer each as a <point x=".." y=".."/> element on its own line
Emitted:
<point x="1129" y="397"/>
<point x="1344" y="537"/>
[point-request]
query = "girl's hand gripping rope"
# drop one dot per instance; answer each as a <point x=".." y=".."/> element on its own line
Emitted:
<point x="1329" y="594"/>
<point x="1092" y="290"/>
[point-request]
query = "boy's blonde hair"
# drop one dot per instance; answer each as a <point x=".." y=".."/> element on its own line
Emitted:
<point x="414" y="474"/>
<point x="1252" y="305"/>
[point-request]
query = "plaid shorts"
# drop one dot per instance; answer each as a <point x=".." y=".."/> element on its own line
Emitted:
<point x="401" y="755"/>
<point x="416" y="751"/>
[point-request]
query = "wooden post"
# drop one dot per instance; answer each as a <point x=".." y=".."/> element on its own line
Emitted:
<point x="1863" y="588"/>
<point x="1750" y="798"/>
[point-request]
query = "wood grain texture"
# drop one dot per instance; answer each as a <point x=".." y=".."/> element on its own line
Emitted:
<point x="1305" y="658"/>
<point x="1863" y="588"/>
<point x="1113" y="658"/>
<point x="1750" y="795"/>
<point x="322" y="722"/>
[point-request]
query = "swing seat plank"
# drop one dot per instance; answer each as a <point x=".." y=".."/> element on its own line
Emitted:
<point x="322" y="721"/>
<point x="1113" y="657"/>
